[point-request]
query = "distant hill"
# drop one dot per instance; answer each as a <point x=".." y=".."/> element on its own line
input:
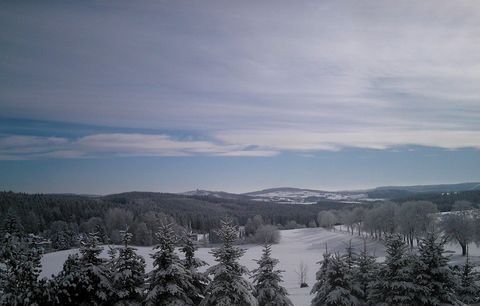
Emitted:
<point x="215" y="194"/>
<point x="392" y="192"/>
<point x="282" y="189"/>
<point x="291" y="195"/>
<point x="435" y="188"/>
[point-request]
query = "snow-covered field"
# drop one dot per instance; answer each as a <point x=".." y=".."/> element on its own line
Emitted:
<point x="301" y="196"/>
<point x="297" y="245"/>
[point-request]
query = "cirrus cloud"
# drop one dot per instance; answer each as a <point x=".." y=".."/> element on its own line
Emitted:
<point x="236" y="143"/>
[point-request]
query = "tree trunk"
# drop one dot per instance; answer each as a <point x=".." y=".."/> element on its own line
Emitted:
<point x="464" y="248"/>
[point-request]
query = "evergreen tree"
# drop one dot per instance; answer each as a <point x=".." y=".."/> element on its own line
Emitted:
<point x="128" y="274"/>
<point x="321" y="277"/>
<point x="395" y="284"/>
<point x="365" y="273"/>
<point x="85" y="279"/>
<point x="61" y="235"/>
<point x="335" y="285"/>
<point x="468" y="290"/>
<point x="11" y="225"/>
<point x="433" y="275"/>
<point x="20" y="267"/>
<point x="170" y="282"/>
<point x="350" y="256"/>
<point x="191" y="263"/>
<point x="228" y="286"/>
<point x="268" y="290"/>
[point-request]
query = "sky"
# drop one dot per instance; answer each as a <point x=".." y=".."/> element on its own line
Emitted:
<point x="104" y="96"/>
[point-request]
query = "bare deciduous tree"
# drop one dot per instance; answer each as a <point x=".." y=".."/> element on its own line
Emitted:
<point x="302" y="274"/>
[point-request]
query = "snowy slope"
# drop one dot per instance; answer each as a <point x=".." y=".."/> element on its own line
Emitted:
<point x="304" y="196"/>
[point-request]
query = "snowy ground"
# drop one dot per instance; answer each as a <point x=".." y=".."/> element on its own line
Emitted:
<point x="298" y="245"/>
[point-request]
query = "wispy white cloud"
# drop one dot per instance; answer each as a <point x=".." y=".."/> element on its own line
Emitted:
<point x="305" y="141"/>
<point x="118" y="144"/>
<point x="238" y="143"/>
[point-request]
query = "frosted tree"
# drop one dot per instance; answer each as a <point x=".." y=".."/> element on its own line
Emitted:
<point x="459" y="226"/>
<point x="395" y="284"/>
<point x="350" y="256"/>
<point x="170" y="282"/>
<point x="321" y="277"/>
<point x="191" y="263"/>
<point x="335" y="285"/>
<point x="266" y="280"/>
<point x="20" y="267"/>
<point x="95" y="270"/>
<point x="228" y="286"/>
<point x="365" y="272"/>
<point x="468" y="290"/>
<point x="85" y="279"/>
<point x="433" y="275"/>
<point x="128" y="273"/>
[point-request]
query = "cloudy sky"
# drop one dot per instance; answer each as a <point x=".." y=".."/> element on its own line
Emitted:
<point x="107" y="96"/>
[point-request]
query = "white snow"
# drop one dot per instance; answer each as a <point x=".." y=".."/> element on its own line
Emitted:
<point x="297" y="245"/>
<point x="301" y="196"/>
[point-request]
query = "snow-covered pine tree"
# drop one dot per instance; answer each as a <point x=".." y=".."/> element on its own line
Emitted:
<point x="191" y="263"/>
<point x="170" y="282"/>
<point x="365" y="272"/>
<point x="335" y="285"/>
<point x="468" y="290"/>
<point x="128" y="273"/>
<point x="266" y="280"/>
<point x="321" y="277"/>
<point x="20" y="267"/>
<point x="395" y="283"/>
<point x="433" y="275"/>
<point x="85" y="279"/>
<point x="96" y="270"/>
<point x="350" y="256"/>
<point x="69" y="283"/>
<point x="228" y="286"/>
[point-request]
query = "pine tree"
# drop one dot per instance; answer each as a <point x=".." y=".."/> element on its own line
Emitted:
<point x="11" y="225"/>
<point x="334" y="286"/>
<point x="70" y="281"/>
<point x="364" y="273"/>
<point x="85" y="279"/>
<point x="20" y="267"/>
<point x="395" y="284"/>
<point x="228" y="286"/>
<point x="191" y="263"/>
<point x="321" y="278"/>
<point x="468" y="290"/>
<point x="433" y="275"/>
<point x="128" y="274"/>
<point x="268" y="290"/>
<point x="350" y="256"/>
<point x="169" y="282"/>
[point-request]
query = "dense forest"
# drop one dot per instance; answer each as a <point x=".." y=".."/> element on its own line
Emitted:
<point x="143" y="212"/>
<point x="62" y="217"/>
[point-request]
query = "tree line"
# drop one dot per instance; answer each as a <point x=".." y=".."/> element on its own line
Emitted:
<point x="411" y="219"/>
